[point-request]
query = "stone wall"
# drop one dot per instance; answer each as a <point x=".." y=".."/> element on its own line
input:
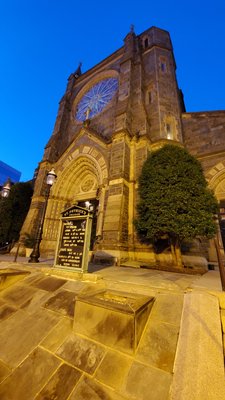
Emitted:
<point x="204" y="132"/>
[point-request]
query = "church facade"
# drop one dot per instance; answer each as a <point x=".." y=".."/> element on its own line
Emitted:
<point x="108" y="120"/>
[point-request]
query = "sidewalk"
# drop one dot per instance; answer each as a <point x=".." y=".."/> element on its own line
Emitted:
<point x="210" y="281"/>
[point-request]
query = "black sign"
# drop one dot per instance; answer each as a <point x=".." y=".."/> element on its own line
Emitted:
<point x="75" y="211"/>
<point x="71" y="246"/>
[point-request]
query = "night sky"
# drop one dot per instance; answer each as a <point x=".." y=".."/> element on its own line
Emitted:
<point x="43" y="41"/>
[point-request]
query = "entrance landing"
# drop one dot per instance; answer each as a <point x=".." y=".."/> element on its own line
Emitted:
<point x="41" y="347"/>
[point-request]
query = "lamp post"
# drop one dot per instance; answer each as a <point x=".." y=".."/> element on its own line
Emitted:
<point x="6" y="188"/>
<point x="218" y="247"/>
<point x="4" y="194"/>
<point x="50" y="179"/>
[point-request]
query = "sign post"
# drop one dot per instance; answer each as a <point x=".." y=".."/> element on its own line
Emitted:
<point x="74" y="239"/>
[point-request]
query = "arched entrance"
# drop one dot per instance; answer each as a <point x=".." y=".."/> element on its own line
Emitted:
<point x="79" y="182"/>
<point x="216" y="178"/>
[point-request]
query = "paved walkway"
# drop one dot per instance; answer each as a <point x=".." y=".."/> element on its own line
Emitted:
<point x="45" y="354"/>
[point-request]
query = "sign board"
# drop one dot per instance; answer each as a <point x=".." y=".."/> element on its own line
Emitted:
<point x="74" y="239"/>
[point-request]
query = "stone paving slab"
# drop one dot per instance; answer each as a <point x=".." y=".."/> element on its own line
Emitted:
<point x="49" y="283"/>
<point x="74" y="286"/>
<point x="154" y="279"/>
<point x="168" y="308"/>
<point x="34" y="303"/>
<point x="127" y="287"/>
<point x="18" y="294"/>
<point x="21" y="333"/>
<point x="58" y="334"/>
<point x="210" y="280"/>
<point x="34" y="277"/>
<point x="81" y="353"/>
<point x="113" y="369"/>
<point x="63" y="302"/>
<point x="4" y="371"/>
<point x="5" y="311"/>
<point x="61" y="384"/>
<point x="158" y="345"/>
<point x="10" y="276"/>
<point x="145" y="382"/>
<point x="27" y="380"/>
<point x="89" y="389"/>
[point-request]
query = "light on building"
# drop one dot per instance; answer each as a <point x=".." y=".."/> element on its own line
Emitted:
<point x="6" y="188"/>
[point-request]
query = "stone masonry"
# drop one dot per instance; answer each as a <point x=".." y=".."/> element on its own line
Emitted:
<point x="100" y="158"/>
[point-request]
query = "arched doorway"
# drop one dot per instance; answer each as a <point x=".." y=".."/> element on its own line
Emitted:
<point x="80" y="181"/>
<point x="216" y="178"/>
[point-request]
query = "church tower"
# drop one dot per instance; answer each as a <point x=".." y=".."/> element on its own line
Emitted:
<point x="108" y="120"/>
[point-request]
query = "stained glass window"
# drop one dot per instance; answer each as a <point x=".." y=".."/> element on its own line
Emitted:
<point x="96" y="99"/>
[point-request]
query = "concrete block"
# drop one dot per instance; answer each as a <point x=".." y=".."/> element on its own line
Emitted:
<point x="113" y="318"/>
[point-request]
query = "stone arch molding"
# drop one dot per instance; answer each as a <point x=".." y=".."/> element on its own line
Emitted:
<point x="80" y="175"/>
<point x="216" y="180"/>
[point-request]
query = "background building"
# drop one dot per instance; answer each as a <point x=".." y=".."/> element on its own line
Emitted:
<point x="8" y="172"/>
<point x="108" y="120"/>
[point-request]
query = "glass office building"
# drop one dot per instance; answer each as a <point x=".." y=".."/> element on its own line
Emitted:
<point x="8" y="172"/>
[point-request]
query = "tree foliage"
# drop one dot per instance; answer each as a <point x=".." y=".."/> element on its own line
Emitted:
<point x="174" y="198"/>
<point x="13" y="211"/>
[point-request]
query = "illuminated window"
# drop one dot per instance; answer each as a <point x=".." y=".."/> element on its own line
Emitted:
<point x="169" y="133"/>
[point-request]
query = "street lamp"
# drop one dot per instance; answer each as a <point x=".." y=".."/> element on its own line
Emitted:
<point x="50" y="179"/>
<point x="6" y="188"/>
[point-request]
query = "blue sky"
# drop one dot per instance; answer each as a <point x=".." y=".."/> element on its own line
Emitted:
<point x="42" y="42"/>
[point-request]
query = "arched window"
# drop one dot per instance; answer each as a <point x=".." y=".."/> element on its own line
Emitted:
<point x="163" y="66"/>
<point x="150" y="97"/>
<point x="169" y="133"/>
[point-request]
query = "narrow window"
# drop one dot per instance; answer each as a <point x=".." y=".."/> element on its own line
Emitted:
<point x="168" y="128"/>
<point x="169" y="133"/>
<point x="150" y="97"/>
<point x="146" y="43"/>
<point x="163" y="67"/>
